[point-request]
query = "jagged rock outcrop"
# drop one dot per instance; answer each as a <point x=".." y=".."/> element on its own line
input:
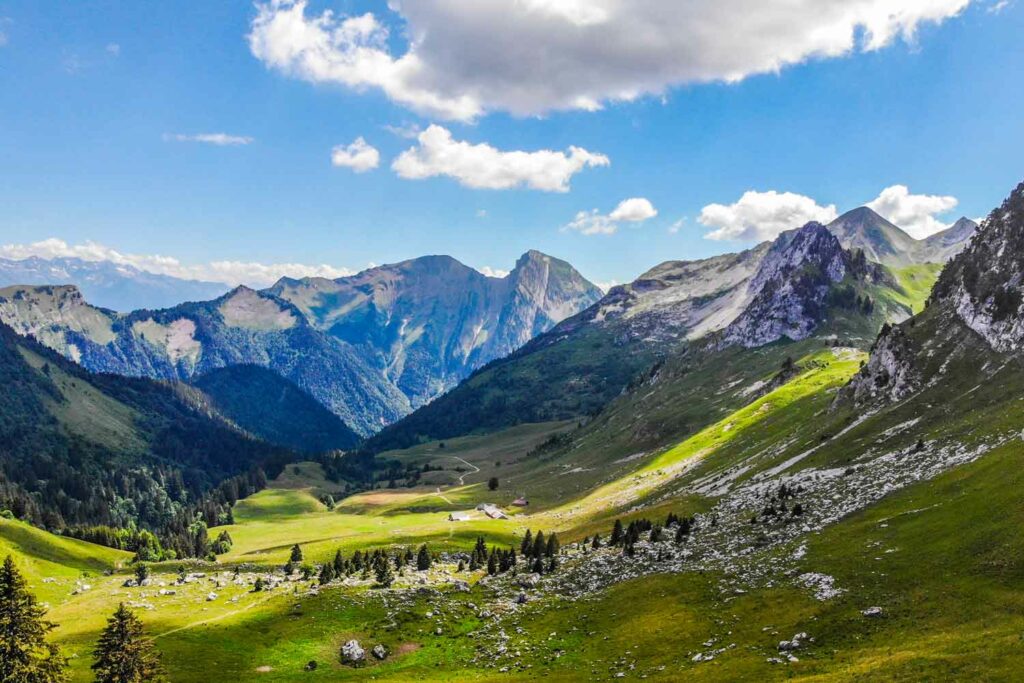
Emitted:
<point x="791" y="288"/>
<point x="890" y="374"/>
<point x="985" y="283"/>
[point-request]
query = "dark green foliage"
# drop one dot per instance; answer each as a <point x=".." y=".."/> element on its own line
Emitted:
<point x="575" y="369"/>
<point x="192" y="468"/>
<point x="265" y="404"/>
<point x="124" y="654"/>
<point x="617" y="534"/>
<point x="327" y="573"/>
<point x="382" y="571"/>
<point x="141" y="572"/>
<point x="296" y="554"/>
<point x="492" y="484"/>
<point x="258" y="586"/>
<point x="527" y="545"/>
<point x="25" y="656"/>
<point x="423" y="559"/>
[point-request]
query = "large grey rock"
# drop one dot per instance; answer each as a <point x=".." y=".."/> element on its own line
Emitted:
<point x="352" y="653"/>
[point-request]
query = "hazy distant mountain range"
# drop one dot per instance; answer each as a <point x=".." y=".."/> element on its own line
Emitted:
<point x="116" y="286"/>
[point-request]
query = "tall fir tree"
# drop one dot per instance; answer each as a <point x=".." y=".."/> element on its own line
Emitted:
<point x="25" y="656"/>
<point x="527" y="545"/>
<point x="617" y="534"/>
<point x="296" y="555"/>
<point x="124" y="654"/>
<point x="423" y="560"/>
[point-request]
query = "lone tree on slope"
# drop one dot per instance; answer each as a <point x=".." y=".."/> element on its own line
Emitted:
<point x="423" y="560"/>
<point x="296" y="555"/>
<point x="124" y="654"/>
<point x="492" y="484"/>
<point x="24" y="653"/>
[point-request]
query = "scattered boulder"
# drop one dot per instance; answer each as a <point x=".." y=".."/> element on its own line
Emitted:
<point x="211" y="597"/>
<point x="521" y="599"/>
<point x="873" y="612"/>
<point x="352" y="653"/>
<point x="379" y="652"/>
<point x="528" y="580"/>
<point x="462" y="586"/>
<point x="310" y="665"/>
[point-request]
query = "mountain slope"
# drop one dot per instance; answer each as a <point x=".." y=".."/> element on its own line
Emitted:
<point x="428" y="322"/>
<point x="885" y="243"/>
<point x="244" y="327"/>
<point x="109" y="285"/>
<point x="85" y="449"/>
<point x="274" y="409"/>
<point x="782" y="290"/>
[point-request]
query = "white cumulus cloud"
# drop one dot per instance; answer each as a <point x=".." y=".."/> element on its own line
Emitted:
<point x="493" y="272"/>
<point x="459" y="59"/>
<point x="360" y="156"/>
<point x="218" y="139"/>
<point x="593" y="222"/>
<point x="481" y="166"/>
<point x="915" y="213"/>
<point x="762" y="215"/>
<point x="231" y="273"/>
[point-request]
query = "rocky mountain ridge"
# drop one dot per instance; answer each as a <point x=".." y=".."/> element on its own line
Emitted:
<point x="884" y="242"/>
<point x="357" y="345"/>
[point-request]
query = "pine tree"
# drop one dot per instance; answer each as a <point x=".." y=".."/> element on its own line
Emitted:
<point x="124" y="654"/>
<point x="339" y="564"/>
<point x="480" y="551"/>
<point x="538" y="566"/>
<point x="596" y="544"/>
<point x="539" y="545"/>
<point x="382" y="571"/>
<point x="141" y="572"/>
<point x="492" y="564"/>
<point x="461" y="568"/>
<point x="258" y="586"/>
<point x="423" y="560"/>
<point x="656" y="534"/>
<point x="527" y="545"/>
<point x="617" y="533"/>
<point x="552" y="547"/>
<point x="296" y="556"/>
<point x="24" y="653"/>
<point x="326" y="573"/>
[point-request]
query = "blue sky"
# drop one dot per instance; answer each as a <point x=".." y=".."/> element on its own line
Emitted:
<point x="99" y="102"/>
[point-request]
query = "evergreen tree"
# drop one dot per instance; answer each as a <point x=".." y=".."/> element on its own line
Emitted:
<point x="24" y="653"/>
<point x="480" y="551"/>
<point x="339" y="563"/>
<point x="527" y="545"/>
<point x="656" y="534"/>
<point x="552" y="564"/>
<point x="596" y="544"/>
<point x="141" y="572"/>
<point x="326" y="573"/>
<point x="552" y="547"/>
<point x="492" y="564"/>
<point x="258" y="586"/>
<point x="538" y="566"/>
<point x="296" y="556"/>
<point x="617" y="533"/>
<point x="539" y="545"/>
<point x="124" y="654"/>
<point x="461" y="568"/>
<point x="423" y="560"/>
<point x="382" y="571"/>
<point x="492" y="484"/>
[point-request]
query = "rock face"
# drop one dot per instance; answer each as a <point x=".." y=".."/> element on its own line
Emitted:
<point x="985" y="283"/>
<point x="680" y="300"/>
<point x="429" y="322"/>
<point x="789" y="293"/>
<point x="109" y="285"/>
<point x="885" y="243"/>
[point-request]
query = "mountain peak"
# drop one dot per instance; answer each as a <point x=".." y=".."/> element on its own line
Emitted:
<point x="880" y="240"/>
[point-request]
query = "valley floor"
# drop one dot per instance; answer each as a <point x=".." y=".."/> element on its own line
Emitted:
<point x="914" y="513"/>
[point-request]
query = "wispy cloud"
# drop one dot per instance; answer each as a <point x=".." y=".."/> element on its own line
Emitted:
<point x="218" y="139"/>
